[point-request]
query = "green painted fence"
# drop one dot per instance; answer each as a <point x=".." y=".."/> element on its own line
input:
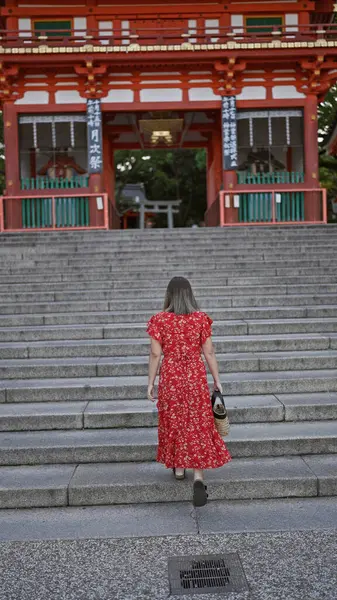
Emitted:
<point x="56" y="183"/>
<point x="256" y="207"/>
<point x="245" y="177"/>
<point x="69" y="212"/>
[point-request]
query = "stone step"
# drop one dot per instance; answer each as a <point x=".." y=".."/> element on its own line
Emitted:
<point x="105" y="348"/>
<point x="243" y="478"/>
<point x="155" y="520"/>
<point x="62" y="368"/>
<point x="129" y="331"/>
<point x="139" y="444"/>
<point x="116" y="247"/>
<point x="165" y="263"/>
<point x="204" y="294"/>
<point x="122" y="277"/>
<point x="199" y="285"/>
<point x="169" y="259"/>
<point x="127" y="317"/>
<point x="141" y="413"/>
<point x="110" y="237"/>
<point x="226" y="301"/>
<point x="135" y="387"/>
<point x="146" y="482"/>
<point x="165" y="269"/>
<point x="171" y="256"/>
<point x="176" y="246"/>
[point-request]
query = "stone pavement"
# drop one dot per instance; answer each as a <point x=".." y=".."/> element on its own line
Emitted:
<point x="288" y="548"/>
<point x="278" y="566"/>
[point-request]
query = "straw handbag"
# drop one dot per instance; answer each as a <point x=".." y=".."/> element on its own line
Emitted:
<point x="220" y="413"/>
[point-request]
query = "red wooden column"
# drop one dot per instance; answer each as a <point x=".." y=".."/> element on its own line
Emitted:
<point x="214" y="167"/>
<point x="95" y="187"/>
<point x="13" y="216"/>
<point x="311" y="159"/>
<point x="229" y="180"/>
<point x="109" y="168"/>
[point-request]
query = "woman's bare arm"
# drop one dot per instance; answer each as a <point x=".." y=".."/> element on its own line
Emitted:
<point x="154" y="360"/>
<point x="209" y="354"/>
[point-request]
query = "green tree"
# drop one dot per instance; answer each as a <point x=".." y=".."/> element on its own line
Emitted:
<point x="327" y="118"/>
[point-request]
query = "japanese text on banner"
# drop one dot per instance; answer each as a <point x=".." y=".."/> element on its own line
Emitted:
<point x="229" y="133"/>
<point x="94" y="124"/>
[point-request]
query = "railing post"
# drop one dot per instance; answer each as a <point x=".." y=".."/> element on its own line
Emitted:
<point x="273" y="207"/>
<point x="325" y="205"/>
<point x="222" y="208"/>
<point x="2" y="225"/>
<point x="106" y="211"/>
<point x="53" y="206"/>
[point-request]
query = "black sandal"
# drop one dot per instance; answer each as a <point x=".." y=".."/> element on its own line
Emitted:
<point x="178" y="477"/>
<point x="199" y="493"/>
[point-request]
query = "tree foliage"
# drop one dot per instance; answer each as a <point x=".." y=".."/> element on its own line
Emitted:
<point x="167" y="175"/>
<point x="327" y="115"/>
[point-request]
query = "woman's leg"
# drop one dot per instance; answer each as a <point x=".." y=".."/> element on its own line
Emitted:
<point x="198" y="475"/>
<point x="179" y="472"/>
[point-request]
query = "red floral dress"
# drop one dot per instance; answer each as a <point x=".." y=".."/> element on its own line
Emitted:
<point x="186" y="432"/>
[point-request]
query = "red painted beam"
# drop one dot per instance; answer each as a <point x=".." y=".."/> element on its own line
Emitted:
<point x="203" y="59"/>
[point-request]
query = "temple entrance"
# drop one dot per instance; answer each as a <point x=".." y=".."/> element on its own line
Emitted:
<point x="161" y="169"/>
<point x="161" y="158"/>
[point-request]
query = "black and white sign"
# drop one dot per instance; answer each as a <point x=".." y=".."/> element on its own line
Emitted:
<point x="229" y="133"/>
<point x="95" y="149"/>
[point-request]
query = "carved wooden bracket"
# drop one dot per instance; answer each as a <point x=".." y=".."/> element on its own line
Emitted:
<point x="9" y="90"/>
<point x="317" y="75"/>
<point x="95" y="84"/>
<point x="228" y="77"/>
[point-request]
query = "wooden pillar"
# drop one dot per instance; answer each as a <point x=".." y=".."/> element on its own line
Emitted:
<point x="217" y="160"/>
<point x="214" y="168"/>
<point x="95" y="187"/>
<point x="230" y="180"/>
<point x="311" y="159"/>
<point x="13" y="215"/>
<point x="109" y="168"/>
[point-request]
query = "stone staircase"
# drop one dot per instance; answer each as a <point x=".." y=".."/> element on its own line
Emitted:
<point x="76" y="429"/>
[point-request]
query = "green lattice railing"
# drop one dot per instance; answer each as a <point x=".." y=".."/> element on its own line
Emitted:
<point x="256" y="207"/>
<point x="57" y="183"/>
<point x="245" y="177"/>
<point x="69" y="212"/>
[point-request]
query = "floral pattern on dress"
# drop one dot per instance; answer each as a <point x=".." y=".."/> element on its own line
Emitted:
<point x="187" y="437"/>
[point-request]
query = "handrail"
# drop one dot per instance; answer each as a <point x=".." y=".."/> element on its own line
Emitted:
<point x="153" y="35"/>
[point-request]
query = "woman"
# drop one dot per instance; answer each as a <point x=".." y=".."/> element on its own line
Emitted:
<point x="187" y="435"/>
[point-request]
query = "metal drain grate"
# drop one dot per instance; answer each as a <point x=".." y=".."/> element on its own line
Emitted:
<point x="206" y="574"/>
